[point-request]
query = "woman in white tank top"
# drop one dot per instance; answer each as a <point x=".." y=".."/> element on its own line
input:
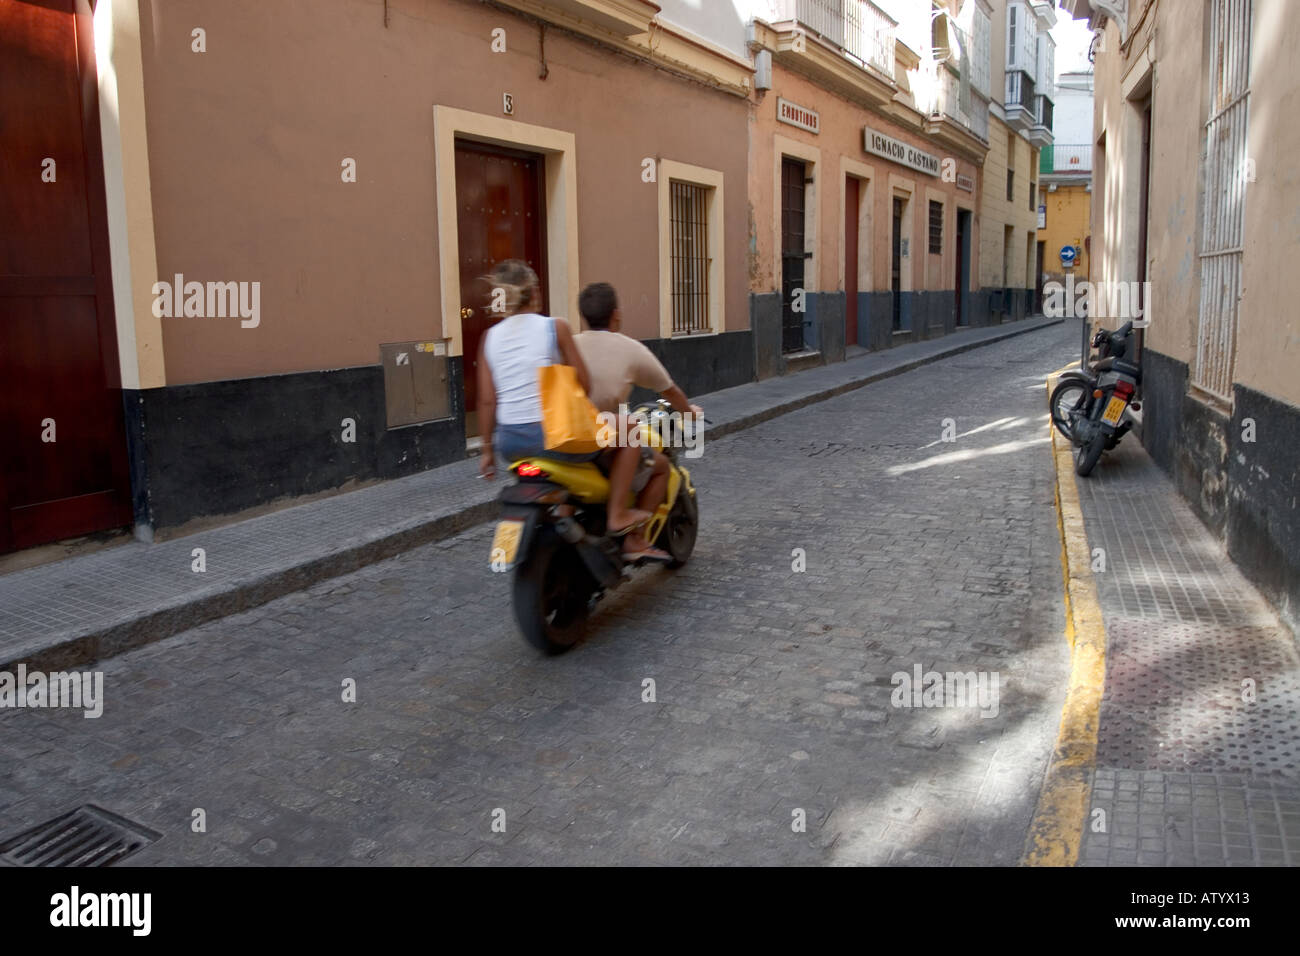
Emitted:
<point x="509" y="399"/>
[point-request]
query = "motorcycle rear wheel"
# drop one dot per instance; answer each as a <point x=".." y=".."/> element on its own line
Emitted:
<point x="1061" y="404"/>
<point x="552" y="595"/>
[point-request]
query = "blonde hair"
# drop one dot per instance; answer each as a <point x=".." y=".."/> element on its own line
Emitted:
<point x="517" y="280"/>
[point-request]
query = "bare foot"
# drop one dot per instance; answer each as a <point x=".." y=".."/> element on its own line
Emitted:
<point x="625" y="520"/>
<point x="635" y="542"/>
<point x="647" y="553"/>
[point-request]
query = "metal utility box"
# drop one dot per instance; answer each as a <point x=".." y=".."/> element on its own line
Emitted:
<point x="417" y="382"/>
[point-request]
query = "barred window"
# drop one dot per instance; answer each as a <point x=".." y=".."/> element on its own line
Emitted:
<point x="936" y="226"/>
<point x="1223" y="196"/>
<point x="690" y="257"/>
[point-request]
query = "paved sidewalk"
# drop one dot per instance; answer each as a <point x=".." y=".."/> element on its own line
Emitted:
<point x="1189" y="771"/>
<point x="98" y="605"/>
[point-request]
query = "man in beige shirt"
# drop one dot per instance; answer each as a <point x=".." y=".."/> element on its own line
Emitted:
<point x="615" y="363"/>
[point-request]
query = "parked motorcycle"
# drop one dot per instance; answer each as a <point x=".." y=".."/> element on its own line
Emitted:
<point x="1092" y="407"/>
<point x="552" y="535"/>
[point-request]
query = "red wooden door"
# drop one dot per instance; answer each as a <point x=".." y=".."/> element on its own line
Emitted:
<point x="850" y="261"/>
<point x="59" y="377"/>
<point x="499" y="216"/>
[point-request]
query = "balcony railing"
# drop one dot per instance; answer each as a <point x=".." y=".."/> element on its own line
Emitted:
<point x="858" y="27"/>
<point x="979" y="117"/>
<point x="1020" y="91"/>
<point x="971" y="111"/>
<point x="1043" y="111"/>
<point x="1065" y="158"/>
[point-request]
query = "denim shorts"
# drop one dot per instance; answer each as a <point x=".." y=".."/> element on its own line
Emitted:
<point x="513" y="442"/>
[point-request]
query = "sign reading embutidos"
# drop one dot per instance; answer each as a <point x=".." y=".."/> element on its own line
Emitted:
<point x="881" y="145"/>
<point x="796" y="115"/>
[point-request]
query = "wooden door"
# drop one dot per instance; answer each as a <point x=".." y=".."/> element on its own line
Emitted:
<point x="896" y="263"/>
<point x="962" y="278"/>
<point x="850" y="261"/>
<point x="500" y="215"/>
<point x="793" y="254"/>
<point x="63" y="466"/>
<point x="1038" y="278"/>
<point x="1144" y="198"/>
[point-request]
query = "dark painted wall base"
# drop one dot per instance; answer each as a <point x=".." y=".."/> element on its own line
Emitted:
<point x="922" y="315"/>
<point x="706" y="363"/>
<point x="1243" y="490"/>
<point x="218" y="448"/>
<point x="1263" y="522"/>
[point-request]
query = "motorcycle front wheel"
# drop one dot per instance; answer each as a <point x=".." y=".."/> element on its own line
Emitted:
<point x="552" y="594"/>
<point x="1087" y="456"/>
<point x="680" y="530"/>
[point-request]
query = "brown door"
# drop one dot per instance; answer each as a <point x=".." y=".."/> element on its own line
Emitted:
<point x="896" y="264"/>
<point x="850" y="261"/>
<point x="1038" y="278"/>
<point x="962" y="278"/>
<point x="1144" y="196"/>
<point x="793" y="255"/>
<point x="63" y="468"/>
<point x="499" y="216"/>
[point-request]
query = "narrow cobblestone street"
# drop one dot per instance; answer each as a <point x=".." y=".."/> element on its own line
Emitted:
<point x="772" y="686"/>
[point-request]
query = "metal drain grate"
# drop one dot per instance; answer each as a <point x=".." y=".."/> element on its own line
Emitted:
<point x="86" y="836"/>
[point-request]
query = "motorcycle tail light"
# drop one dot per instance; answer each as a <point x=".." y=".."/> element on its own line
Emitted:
<point x="1124" y="389"/>
<point x="529" y="470"/>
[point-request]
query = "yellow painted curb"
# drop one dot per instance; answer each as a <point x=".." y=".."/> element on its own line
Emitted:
<point x="1057" y="828"/>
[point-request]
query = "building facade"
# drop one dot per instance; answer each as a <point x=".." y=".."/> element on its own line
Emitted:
<point x="1023" y="64"/>
<point x="276" y="287"/>
<point x="862" y="188"/>
<point x="869" y="132"/>
<point x="1193" y="192"/>
<point x="1065" y="182"/>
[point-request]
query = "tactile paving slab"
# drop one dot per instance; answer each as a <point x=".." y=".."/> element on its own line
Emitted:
<point x="1176" y="699"/>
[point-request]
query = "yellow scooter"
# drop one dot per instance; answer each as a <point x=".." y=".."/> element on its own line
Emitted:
<point x="552" y="535"/>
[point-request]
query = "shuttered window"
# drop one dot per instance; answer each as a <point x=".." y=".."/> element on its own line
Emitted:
<point x="1224" y="200"/>
<point x="690" y="257"/>
<point x="936" y="227"/>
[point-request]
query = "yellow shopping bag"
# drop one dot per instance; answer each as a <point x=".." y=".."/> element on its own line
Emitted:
<point x="568" y="418"/>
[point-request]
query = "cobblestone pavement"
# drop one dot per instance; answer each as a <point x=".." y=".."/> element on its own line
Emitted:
<point x="772" y="686"/>
<point x="1189" y="772"/>
<point x="98" y="605"/>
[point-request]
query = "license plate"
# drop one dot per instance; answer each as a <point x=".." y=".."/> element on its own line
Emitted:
<point x="1114" y="409"/>
<point x="505" y="543"/>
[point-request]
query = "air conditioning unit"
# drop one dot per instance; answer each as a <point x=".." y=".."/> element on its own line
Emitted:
<point x="763" y="70"/>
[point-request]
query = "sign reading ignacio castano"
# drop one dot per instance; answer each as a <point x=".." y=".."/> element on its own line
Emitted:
<point x="881" y="145"/>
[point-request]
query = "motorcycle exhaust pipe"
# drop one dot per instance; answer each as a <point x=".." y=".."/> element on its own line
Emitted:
<point x="597" y="562"/>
